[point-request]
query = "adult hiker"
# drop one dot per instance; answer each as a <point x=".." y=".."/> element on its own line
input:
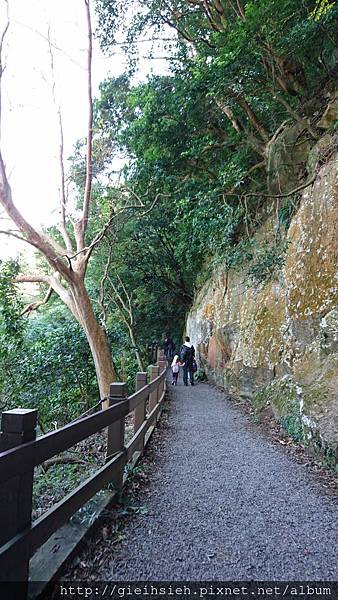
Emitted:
<point x="187" y="355"/>
<point x="169" y="349"/>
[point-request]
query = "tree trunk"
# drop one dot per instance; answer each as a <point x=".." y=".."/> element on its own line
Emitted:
<point x="253" y="118"/>
<point x="137" y="354"/>
<point x="96" y="337"/>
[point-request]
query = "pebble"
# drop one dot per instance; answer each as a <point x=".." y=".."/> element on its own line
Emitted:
<point x="229" y="505"/>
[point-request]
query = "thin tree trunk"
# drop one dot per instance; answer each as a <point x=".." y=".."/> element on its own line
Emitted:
<point x="96" y="338"/>
<point x="253" y="118"/>
<point x="133" y="341"/>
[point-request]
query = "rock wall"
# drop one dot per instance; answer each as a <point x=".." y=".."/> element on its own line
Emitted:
<point x="277" y="344"/>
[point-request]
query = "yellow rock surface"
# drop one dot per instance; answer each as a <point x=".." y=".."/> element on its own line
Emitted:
<point x="255" y="339"/>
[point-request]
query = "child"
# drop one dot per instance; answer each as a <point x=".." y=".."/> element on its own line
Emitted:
<point x="175" y="367"/>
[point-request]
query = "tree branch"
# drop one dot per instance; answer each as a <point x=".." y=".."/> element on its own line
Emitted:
<point x="62" y="226"/>
<point x="40" y="241"/>
<point x="52" y="281"/>
<point x="35" y="305"/>
<point x="87" y="250"/>
<point x="301" y="120"/>
<point x="2" y="39"/>
<point x="81" y="226"/>
<point x="286" y="194"/>
<point x="102" y="305"/>
<point x="118" y="296"/>
<point x="34" y="278"/>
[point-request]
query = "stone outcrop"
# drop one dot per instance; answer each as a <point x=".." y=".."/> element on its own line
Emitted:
<point x="330" y="116"/>
<point x="277" y="344"/>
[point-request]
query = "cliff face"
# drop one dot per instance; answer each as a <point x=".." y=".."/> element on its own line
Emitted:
<point x="277" y="344"/>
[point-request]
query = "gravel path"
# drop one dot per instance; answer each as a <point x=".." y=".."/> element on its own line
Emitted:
<point x="226" y="504"/>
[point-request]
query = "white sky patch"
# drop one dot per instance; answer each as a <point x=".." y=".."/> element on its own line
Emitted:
<point x="30" y="135"/>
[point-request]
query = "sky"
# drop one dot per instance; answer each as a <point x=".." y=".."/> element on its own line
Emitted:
<point x="29" y="132"/>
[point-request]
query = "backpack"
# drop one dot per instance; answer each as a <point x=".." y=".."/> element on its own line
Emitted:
<point x="186" y="353"/>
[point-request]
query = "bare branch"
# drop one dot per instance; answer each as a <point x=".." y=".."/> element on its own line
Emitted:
<point x="118" y="296"/>
<point x="34" y="278"/>
<point x="35" y="305"/>
<point x="3" y="35"/>
<point x="87" y="250"/>
<point x="128" y="296"/>
<point x="286" y="194"/>
<point x="54" y="45"/>
<point x="11" y="233"/>
<point x="2" y="39"/>
<point x="54" y="281"/>
<point x="103" y="316"/>
<point x="301" y="120"/>
<point x="40" y="241"/>
<point x="125" y="308"/>
<point x="62" y="226"/>
<point x="133" y="193"/>
<point x="81" y="226"/>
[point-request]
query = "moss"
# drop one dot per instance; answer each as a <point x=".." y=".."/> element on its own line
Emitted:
<point x="327" y="453"/>
<point x="310" y="268"/>
<point x="261" y="316"/>
<point x="209" y="311"/>
<point x="260" y="400"/>
<point x="293" y="426"/>
<point x="282" y="396"/>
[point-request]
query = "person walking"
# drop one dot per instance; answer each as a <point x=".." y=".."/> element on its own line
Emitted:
<point x="187" y="355"/>
<point x="175" y="367"/>
<point x="169" y="349"/>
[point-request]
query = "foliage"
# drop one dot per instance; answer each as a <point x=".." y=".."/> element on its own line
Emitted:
<point x="199" y="133"/>
<point x="268" y="258"/>
<point x="293" y="426"/>
<point x="12" y="327"/>
<point x="53" y="370"/>
<point x="194" y="141"/>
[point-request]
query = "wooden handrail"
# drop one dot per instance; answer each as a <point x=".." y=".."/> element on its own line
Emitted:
<point x="56" y="516"/>
<point x="19" y="461"/>
<point x="139" y="396"/>
<point x="59" y="514"/>
<point x="132" y="444"/>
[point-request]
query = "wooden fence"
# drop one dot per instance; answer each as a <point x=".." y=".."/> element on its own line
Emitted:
<point x="21" y="451"/>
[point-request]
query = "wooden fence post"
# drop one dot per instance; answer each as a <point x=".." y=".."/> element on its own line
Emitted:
<point x="162" y="364"/>
<point x="140" y="410"/>
<point x="18" y="426"/>
<point x="153" y="397"/>
<point x="115" y="438"/>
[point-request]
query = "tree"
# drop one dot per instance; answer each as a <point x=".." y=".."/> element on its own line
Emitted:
<point x="12" y="327"/>
<point x="69" y="250"/>
<point x="240" y="73"/>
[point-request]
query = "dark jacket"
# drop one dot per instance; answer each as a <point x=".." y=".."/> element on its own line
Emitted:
<point x="187" y="353"/>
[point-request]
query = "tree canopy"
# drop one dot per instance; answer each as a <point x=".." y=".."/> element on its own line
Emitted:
<point x="197" y="181"/>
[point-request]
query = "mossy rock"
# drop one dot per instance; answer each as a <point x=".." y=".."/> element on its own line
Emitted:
<point x="294" y="427"/>
<point x="287" y="156"/>
<point x="281" y="395"/>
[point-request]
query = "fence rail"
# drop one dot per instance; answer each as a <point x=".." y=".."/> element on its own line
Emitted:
<point x="19" y="537"/>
